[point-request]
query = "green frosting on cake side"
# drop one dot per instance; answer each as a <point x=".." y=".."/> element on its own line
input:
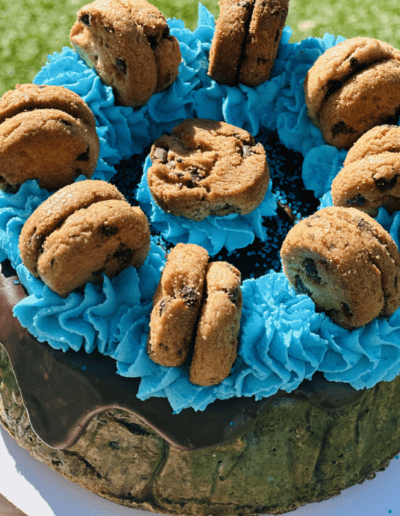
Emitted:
<point x="296" y="453"/>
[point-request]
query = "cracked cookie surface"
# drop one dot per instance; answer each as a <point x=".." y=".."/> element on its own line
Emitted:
<point x="90" y="225"/>
<point x="176" y="305"/>
<point x="347" y="263"/>
<point x="215" y="347"/>
<point x="369" y="178"/>
<point x="47" y="133"/>
<point x="207" y="168"/>
<point x="129" y="45"/>
<point x="353" y="87"/>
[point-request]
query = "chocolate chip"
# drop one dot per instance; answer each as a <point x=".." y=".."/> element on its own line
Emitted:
<point x="333" y="86"/>
<point x="109" y="230"/>
<point x="124" y="256"/>
<point x="358" y="200"/>
<point x="247" y="151"/>
<point x="65" y="122"/>
<point x="40" y="243"/>
<point x="301" y="288"/>
<point x="85" y="19"/>
<point x="42" y="86"/>
<point x="160" y="154"/>
<point x="189" y="295"/>
<point x="85" y="155"/>
<point x="311" y="269"/>
<point x="355" y="64"/>
<point x="341" y="128"/>
<point x="195" y="174"/>
<point x="109" y="29"/>
<point x="383" y="184"/>
<point x="364" y="225"/>
<point x="179" y="160"/>
<point x="153" y="41"/>
<point x="247" y="5"/>
<point x="162" y="305"/>
<point x="233" y="294"/>
<point x="346" y="310"/>
<point x="99" y="272"/>
<point x="121" y="64"/>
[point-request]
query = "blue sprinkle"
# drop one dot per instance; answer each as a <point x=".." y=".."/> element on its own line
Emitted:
<point x="84" y="368"/>
<point x="16" y="282"/>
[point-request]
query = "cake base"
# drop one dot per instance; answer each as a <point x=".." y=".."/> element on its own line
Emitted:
<point x="296" y="453"/>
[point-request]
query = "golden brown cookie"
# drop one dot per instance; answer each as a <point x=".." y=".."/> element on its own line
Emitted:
<point x="216" y="342"/>
<point x="347" y="263"/>
<point x="207" y="168"/>
<point x="353" y="87"/>
<point x="83" y="231"/>
<point x="47" y="133"/>
<point x="369" y="177"/>
<point x="176" y="305"/>
<point x="246" y="40"/>
<point x="129" y="45"/>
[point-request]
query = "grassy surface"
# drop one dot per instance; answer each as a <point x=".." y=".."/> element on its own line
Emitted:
<point x="31" y="30"/>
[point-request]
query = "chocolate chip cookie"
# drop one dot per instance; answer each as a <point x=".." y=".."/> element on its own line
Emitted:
<point x="347" y="263"/>
<point x="176" y="305"/>
<point x="353" y="87"/>
<point x="215" y="348"/>
<point x="83" y="231"/>
<point x="369" y="177"/>
<point x="207" y="168"/>
<point x="47" y="133"/>
<point x="246" y="40"/>
<point x="129" y="45"/>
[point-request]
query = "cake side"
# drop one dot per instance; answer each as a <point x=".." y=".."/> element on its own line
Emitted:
<point x="319" y="454"/>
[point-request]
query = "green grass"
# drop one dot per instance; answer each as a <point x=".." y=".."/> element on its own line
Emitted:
<point x="31" y="30"/>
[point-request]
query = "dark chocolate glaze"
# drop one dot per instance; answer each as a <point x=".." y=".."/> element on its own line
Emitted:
<point x="62" y="392"/>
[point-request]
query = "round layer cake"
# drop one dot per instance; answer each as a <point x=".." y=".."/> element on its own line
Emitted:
<point x="253" y="453"/>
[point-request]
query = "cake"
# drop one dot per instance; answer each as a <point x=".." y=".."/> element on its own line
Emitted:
<point x="328" y="417"/>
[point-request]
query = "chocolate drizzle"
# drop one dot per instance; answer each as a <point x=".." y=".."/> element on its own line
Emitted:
<point x="62" y="392"/>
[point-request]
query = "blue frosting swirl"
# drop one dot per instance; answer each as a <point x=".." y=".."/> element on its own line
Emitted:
<point x="283" y="340"/>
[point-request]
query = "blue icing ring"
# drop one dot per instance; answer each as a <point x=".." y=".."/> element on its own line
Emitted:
<point x="283" y="339"/>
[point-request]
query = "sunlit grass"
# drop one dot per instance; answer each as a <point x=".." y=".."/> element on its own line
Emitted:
<point x="31" y="30"/>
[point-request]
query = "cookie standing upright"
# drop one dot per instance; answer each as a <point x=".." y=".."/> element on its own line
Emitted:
<point x="207" y="168"/>
<point x="353" y="87"/>
<point x="129" y="45"/>
<point x="215" y="347"/>
<point x="47" y="133"/>
<point x="347" y="263"/>
<point x="246" y="40"/>
<point x="81" y="232"/>
<point x="370" y="175"/>
<point x="176" y="305"/>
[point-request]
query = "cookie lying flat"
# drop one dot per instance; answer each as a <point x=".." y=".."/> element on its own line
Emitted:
<point x="129" y="45"/>
<point x="369" y="177"/>
<point x="215" y="347"/>
<point x="207" y="168"/>
<point x="176" y="305"/>
<point x="246" y="40"/>
<point x="82" y="231"/>
<point x="47" y="133"/>
<point x="353" y="87"/>
<point x="347" y="263"/>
